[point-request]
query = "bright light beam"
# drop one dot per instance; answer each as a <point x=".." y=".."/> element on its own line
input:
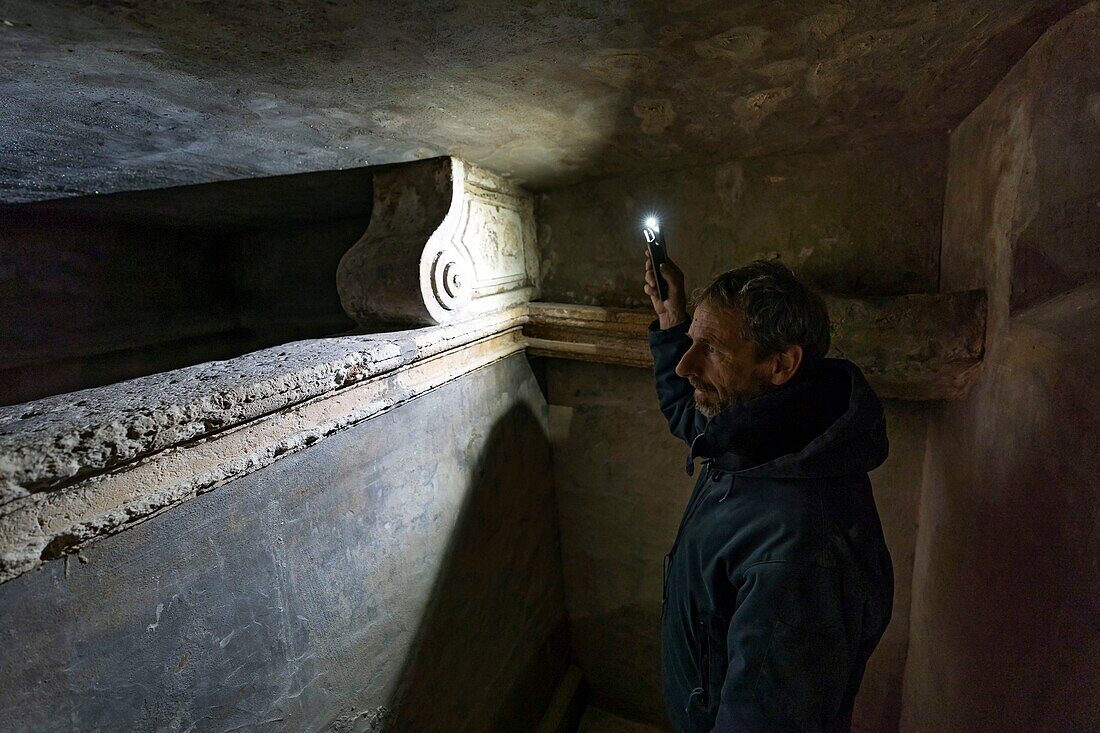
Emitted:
<point x="651" y="222"/>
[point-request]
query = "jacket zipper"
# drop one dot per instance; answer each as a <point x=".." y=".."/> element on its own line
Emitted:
<point x="696" y="497"/>
<point x="664" y="582"/>
<point x="704" y="671"/>
<point x="693" y="505"/>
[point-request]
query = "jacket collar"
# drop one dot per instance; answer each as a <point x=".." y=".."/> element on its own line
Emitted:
<point x="774" y="424"/>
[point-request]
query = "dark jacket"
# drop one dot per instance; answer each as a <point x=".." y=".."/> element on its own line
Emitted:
<point x="779" y="584"/>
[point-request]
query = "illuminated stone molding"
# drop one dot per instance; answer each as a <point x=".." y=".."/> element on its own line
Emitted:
<point x="446" y="240"/>
<point x="914" y="347"/>
<point x="449" y="246"/>
<point x="77" y="466"/>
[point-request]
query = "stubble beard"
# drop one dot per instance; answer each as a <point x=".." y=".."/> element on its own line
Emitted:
<point x="710" y="402"/>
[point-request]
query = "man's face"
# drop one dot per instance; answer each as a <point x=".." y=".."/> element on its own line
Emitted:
<point x="721" y="364"/>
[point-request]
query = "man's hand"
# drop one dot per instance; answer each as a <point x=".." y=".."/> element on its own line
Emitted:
<point x="673" y="309"/>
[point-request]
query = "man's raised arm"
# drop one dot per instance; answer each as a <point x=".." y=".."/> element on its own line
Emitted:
<point x="668" y="340"/>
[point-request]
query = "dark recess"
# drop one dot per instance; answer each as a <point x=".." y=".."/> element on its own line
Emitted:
<point x="99" y="289"/>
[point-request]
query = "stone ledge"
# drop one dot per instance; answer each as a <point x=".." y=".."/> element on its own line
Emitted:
<point x="913" y="347"/>
<point x="59" y="439"/>
<point x="448" y="243"/>
<point x="81" y="465"/>
<point x="92" y="463"/>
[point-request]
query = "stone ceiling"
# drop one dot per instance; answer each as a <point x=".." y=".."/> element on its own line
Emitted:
<point x="133" y="94"/>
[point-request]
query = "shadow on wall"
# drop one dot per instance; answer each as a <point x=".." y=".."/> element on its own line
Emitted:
<point x="289" y="599"/>
<point x="493" y="643"/>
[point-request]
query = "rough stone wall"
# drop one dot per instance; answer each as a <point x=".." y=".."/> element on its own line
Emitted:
<point x="621" y="491"/>
<point x="897" y="485"/>
<point x="861" y="221"/>
<point x="420" y="545"/>
<point x="97" y="291"/>
<point x="1004" y="630"/>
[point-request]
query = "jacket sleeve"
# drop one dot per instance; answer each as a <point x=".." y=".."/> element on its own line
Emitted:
<point x="674" y="393"/>
<point x="790" y="657"/>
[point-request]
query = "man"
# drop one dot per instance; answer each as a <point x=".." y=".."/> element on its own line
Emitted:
<point x="779" y="584"/>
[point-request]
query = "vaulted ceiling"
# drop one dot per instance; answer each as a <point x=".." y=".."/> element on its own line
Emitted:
<point x="131" y="94"/>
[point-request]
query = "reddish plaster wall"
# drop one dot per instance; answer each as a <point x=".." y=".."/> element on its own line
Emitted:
<point x="1006" y="581"/>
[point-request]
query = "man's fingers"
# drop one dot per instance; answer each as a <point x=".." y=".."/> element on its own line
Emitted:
<point x="671" y="271"/>
<point x="672" y="276"/>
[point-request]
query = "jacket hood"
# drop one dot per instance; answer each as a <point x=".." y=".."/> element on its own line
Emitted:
<point x="827" y="421"/>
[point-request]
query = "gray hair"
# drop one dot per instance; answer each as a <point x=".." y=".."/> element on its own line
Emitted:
<point x="779" y="310"/>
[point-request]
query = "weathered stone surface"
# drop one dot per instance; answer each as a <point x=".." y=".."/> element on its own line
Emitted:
<point x="916" y="347"/>
<point x="863" y="220"/>
<point x="621" y="491"/>
<point x="446" y="240"/>
<point x="920" y="347"/>
<point x="299" y="597"/>
<point x="589" y="333"/>
<point x="57" y="439"/>
<point x="67" y="463"/>
<point x="897" y="486"/>
<point x="1005" y="617"/>
<point x="549" y="92"/>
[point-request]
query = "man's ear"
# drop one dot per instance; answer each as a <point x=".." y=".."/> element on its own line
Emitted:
<point x="785" y="365"/>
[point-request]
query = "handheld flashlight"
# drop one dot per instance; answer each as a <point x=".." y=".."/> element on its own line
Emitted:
<point x="658" y="252"/>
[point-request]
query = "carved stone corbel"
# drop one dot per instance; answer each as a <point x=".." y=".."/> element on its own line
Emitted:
<point x="446" y="240"/>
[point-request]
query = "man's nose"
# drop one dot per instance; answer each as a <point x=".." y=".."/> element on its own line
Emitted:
<point x="684" y="368"/>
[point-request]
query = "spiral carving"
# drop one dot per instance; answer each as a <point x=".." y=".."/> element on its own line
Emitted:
<point x="451" y="280"/>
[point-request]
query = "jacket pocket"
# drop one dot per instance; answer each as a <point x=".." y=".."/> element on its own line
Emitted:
<point x="803" y="676"/>
<point x="700" y="694"/>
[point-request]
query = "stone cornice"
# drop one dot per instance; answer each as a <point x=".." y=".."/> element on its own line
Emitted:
<point x="78" y="466"/>
<point x="81" y="465"/>
<point x="913" y="347"/>
<point x="589" y="333"/>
